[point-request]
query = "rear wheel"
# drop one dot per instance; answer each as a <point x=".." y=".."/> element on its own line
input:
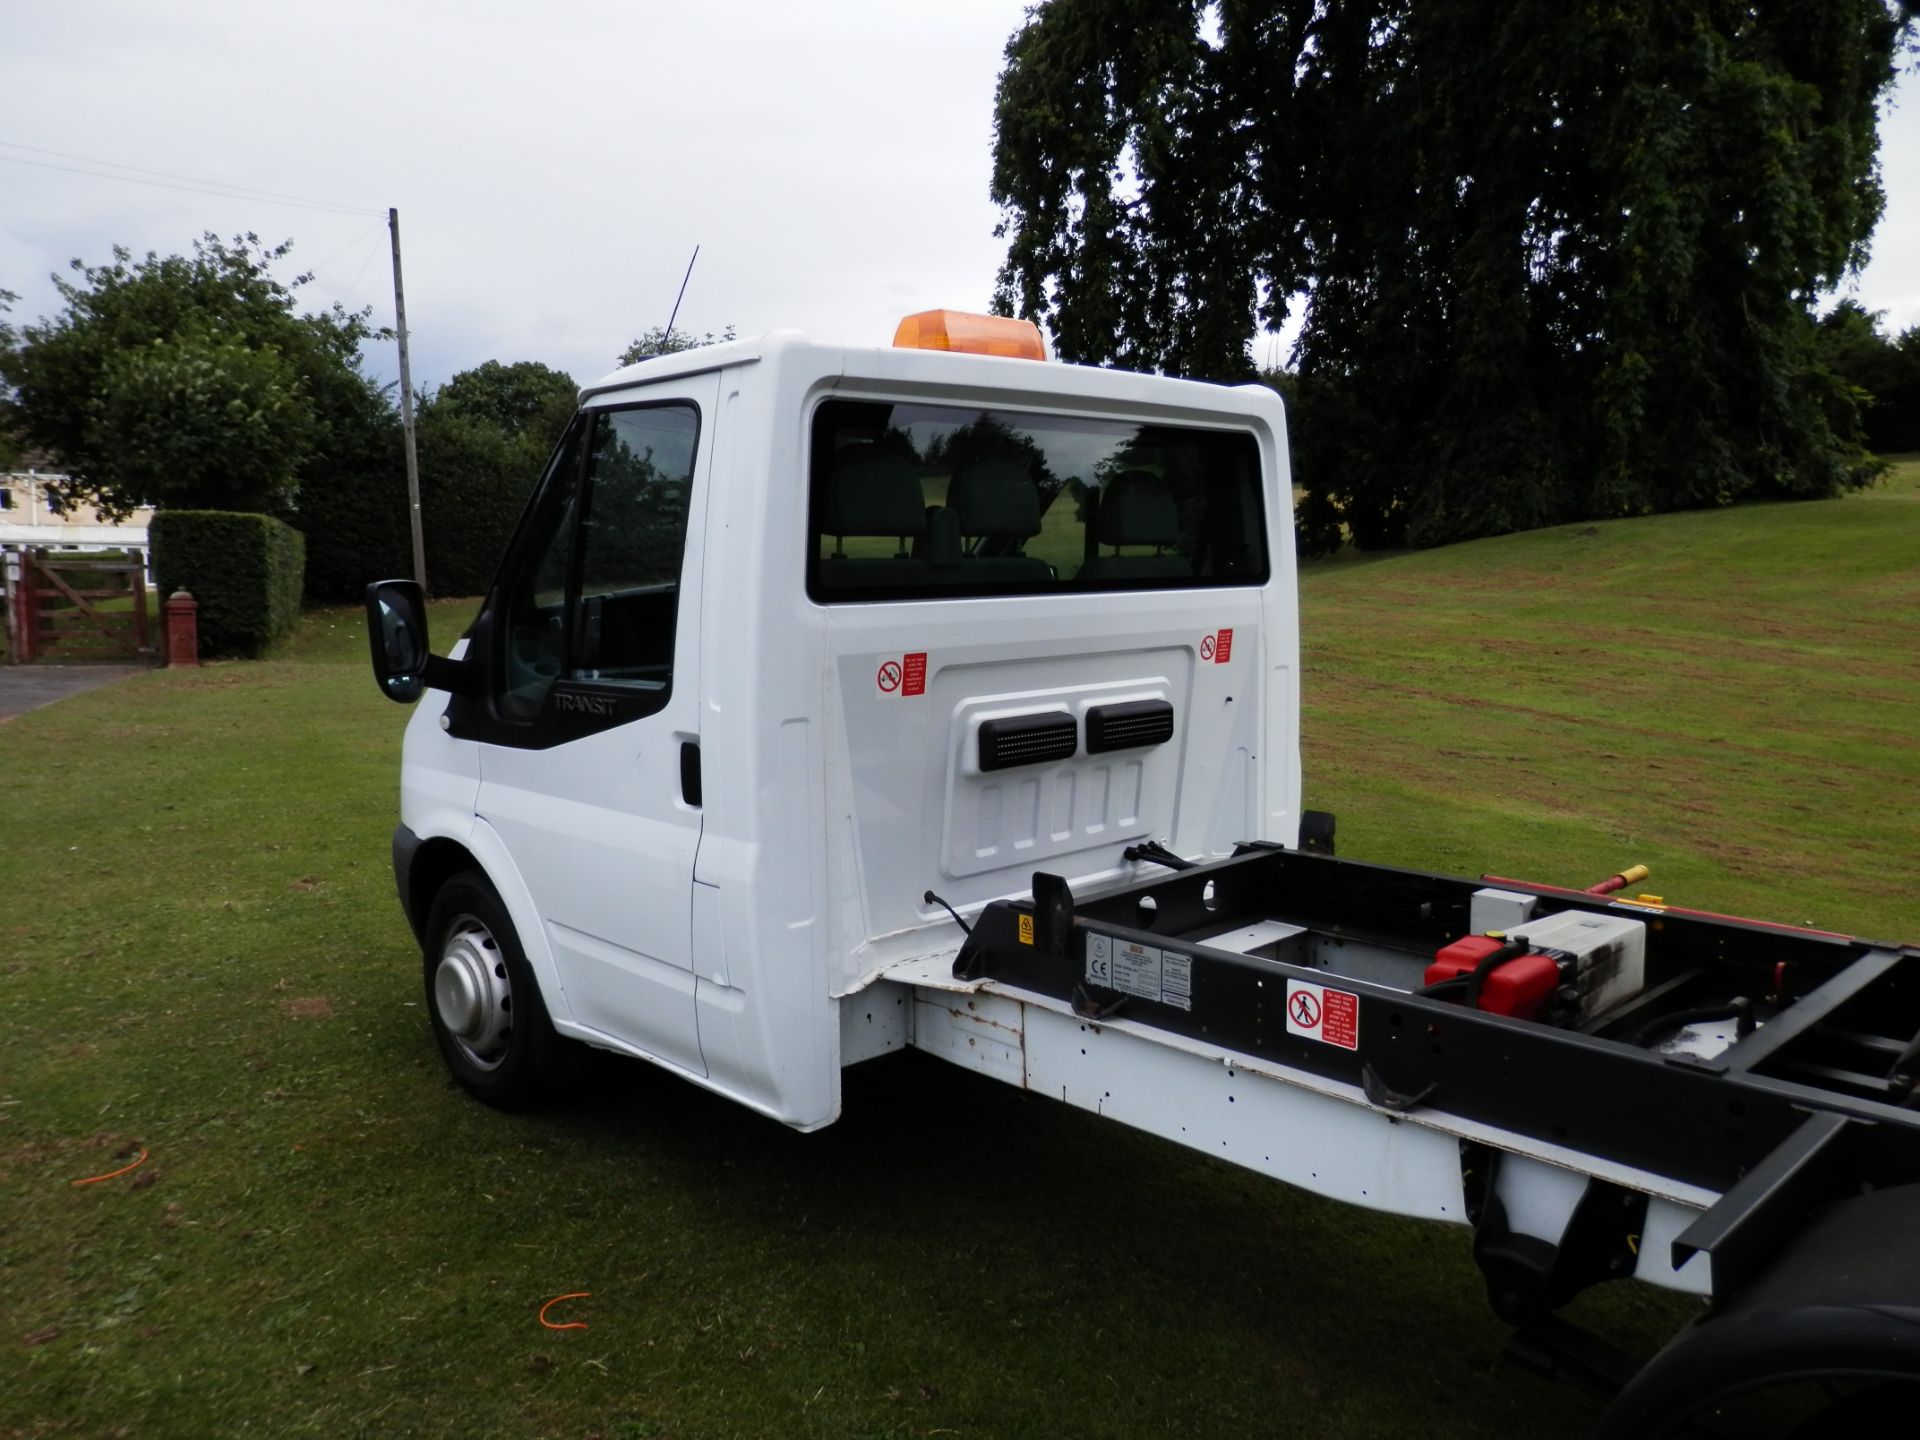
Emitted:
<point x="1822" y="1344"/>
<point x="487" y="1013"/>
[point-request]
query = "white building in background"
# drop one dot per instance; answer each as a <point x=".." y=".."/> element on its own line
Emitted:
<point x="27" y="517"/>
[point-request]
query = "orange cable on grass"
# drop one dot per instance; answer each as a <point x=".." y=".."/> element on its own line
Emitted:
<point x="96" y="1179"/>
<point x="571" y="1324"/>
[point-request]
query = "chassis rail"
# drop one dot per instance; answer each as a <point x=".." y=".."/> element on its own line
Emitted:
<point x="1815" y="1103"/>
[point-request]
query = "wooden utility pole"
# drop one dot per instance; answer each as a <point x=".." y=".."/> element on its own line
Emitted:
<point x="406" y="405"/>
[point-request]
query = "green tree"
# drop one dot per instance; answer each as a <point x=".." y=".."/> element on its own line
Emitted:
<point x="11" y="447"/>
<point x="188" y="380"/>
<point x="1884" y="371"/>
<point x="474" y="482"/>
<point x="663" y="341"/>
<point x="526" y="398"/>
<point x="484" y="438"/>
<point x="352" y="505"/>
<point x="1557" y="257"/>
<point x="203" y="423"/>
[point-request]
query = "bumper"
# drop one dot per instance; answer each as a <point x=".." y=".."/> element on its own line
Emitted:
<point x="406" y="845"/>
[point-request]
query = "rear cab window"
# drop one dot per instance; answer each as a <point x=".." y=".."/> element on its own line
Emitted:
<point x="915" y="501"/>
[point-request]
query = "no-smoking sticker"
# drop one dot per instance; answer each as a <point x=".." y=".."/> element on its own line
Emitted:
<point x="1217" y="648"/>
<point x="1329" y="1016"/>
<point x="905" y="676"/>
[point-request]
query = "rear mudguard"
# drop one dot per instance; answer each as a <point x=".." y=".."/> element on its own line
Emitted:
<point x="1842" y="1300"/>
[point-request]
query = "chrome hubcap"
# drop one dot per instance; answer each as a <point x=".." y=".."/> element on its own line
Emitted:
<point x="472" y="995"/>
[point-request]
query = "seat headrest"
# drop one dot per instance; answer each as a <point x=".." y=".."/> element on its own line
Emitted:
<point x="995" y="497"/>
<point x="871" y="491"/>
<point x="1138" y="509"/>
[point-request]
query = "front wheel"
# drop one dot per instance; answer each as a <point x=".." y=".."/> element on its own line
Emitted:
<point x="487" y="1013"/>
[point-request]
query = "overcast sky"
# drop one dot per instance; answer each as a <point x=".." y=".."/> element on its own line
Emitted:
<point x="555" y="165"/>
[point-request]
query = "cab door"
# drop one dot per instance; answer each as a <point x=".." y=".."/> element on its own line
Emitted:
<point x="589" y="764"/>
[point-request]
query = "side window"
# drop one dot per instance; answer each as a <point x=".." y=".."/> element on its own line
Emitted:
<point x="596" y="594"/>
<point x="633" y="532"/>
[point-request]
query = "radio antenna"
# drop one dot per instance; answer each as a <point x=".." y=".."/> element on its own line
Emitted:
<point x="683" y="292"/>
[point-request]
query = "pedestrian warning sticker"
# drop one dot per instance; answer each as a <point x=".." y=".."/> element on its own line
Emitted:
<point x="1162" y="976"/>
<point x="1330" y="1016"/>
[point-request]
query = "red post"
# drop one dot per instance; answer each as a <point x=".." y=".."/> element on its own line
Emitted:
<point x="183" y="629"/>
<point x="28" y="604"/>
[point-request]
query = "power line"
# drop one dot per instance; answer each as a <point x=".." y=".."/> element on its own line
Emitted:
<point x="184" y="183"/>
<point x="372" y="250"/>
<point x="377" y="225"/>
<point x="223" y="185"/>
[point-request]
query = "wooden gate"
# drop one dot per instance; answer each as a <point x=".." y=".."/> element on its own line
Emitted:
<point x="68" y="607"/>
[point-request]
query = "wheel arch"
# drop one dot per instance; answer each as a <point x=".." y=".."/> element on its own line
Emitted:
<point x="1842" y="1299"/>
<point x="439" y="858"/>
<point x="434" y="863"/>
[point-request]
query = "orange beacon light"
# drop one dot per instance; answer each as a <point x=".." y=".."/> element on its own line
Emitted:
<point x="959" y="331"/>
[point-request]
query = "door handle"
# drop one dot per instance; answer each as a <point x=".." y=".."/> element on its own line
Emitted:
<point x="690" y="772"/>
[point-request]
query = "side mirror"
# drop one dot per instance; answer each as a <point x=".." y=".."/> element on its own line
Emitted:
<point x="397" y="635"/>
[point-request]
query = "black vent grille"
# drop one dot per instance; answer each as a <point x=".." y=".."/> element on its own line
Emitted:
<point x="1129" y="726"/>
<point x="1027" y="740"/>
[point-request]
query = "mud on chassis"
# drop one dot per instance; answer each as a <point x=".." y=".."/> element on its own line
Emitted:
<point x="1771" y="1066"/>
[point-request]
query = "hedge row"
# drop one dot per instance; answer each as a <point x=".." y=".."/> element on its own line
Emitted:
<point x="245" y="572"/>
<point x="352" y="506"/>
<point x="474" y="482"/>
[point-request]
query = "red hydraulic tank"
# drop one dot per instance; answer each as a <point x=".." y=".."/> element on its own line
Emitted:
<point x="1521" y="987"/>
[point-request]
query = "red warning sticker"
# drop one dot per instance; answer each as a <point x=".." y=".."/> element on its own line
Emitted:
<point x="1330" y="1016"/>
<point x="1223" y="647"/>
<point x="913" y="679"/>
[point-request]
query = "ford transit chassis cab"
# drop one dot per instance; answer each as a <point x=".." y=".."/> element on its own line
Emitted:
<point x="831" y="702"/>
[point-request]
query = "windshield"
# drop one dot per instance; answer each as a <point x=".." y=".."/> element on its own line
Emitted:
<point x="913" y="501"/>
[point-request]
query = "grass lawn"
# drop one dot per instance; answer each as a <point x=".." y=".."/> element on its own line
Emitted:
<point x="200" y="953"/>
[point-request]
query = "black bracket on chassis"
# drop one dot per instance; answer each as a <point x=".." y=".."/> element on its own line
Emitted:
<point x="1814" y="1104"/>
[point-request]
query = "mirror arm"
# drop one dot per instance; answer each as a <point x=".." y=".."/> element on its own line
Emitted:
<point x="456" y="677"/>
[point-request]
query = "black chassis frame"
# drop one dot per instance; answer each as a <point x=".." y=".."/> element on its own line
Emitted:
<point x="1786" y="1119"/>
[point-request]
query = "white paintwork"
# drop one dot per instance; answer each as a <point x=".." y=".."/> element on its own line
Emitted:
<point x="720" y="941"/>
<point x="1665" y="1221"/>
<point x="1318" y="1134"/>
<point x="763" y="942"/>
<point x="1538" y="1198"/>
<point x="1258" y="935"/>
<point x="75" y="537"/>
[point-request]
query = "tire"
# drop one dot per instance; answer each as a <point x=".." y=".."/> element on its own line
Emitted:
<point x="484" y="1004"/>
<point x="1835" y="1310"/>
<point x="1888" y="1408"/>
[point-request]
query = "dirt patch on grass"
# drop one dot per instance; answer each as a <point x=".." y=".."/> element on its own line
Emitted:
<point x="308" y="1007"/>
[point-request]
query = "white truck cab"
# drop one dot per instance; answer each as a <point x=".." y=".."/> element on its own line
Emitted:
<point x="831" y="702"/>
<point x="792" y="635"/>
